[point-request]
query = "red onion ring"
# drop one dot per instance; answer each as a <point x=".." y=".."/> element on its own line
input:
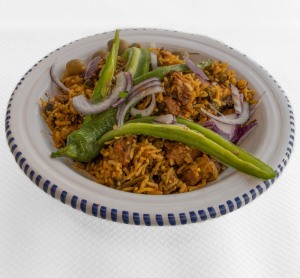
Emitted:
<point x="153" y="60"/>
<point x="241" y="119"/>
<point x="85" y="106"/>
<point x="91" y="67"/>
<point x="122" y="110"/>
<point x="199" y="72"/>
<point x="237" y="99"/>
<point x="56" y="80"/>
<point x="144" y="112"/>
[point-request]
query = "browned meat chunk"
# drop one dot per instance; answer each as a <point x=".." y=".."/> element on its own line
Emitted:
<point x="191" y="177"/>
<point x="203" y="168"/>
<point x="179" y="153"/>
<point x="171" y="106"/>
<point x="122" y="148"/>
<point x="62" y="98"/>
<point x="179" y="94"/>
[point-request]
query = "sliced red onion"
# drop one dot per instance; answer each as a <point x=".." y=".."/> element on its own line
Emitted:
<point x="128" y="81"/>
<point x="122" y="110"/>
<point x="153" y="60"/>
<point x="199" y="72"/>
<point x="144" y="112"/>
<point x="85" y="106"/>
<point x="241" y="132"/>
<point x="127" y="89"/>
<point x="91" y="67"/>
<point x="165" y="119"/>
<point x="241" y="119"/>
<point x="256" y="105"/>
<point x="225" y="130"/>
<point x="143" y="85"/>
<point x="134" y="92"/>
<point x="212" y="125"/>
<point x="234" y="133"/>
<point x="56" y="80"/>
<point x="237" y="99"/>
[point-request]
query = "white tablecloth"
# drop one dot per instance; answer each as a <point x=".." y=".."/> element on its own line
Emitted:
<point x="41" y="237"/>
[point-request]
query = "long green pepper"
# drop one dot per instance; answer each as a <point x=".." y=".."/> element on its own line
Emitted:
<point x="138" y="61"/>
<point x="216" y="146"/>
<point x="161" y="72"/>
<point x="106" y="74"/>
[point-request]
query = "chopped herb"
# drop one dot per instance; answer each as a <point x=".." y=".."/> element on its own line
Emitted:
<point x="123" y="94"/>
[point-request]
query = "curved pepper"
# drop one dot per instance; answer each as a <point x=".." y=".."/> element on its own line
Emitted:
<point x="81" y="142"/>
<point x="161" y="72"/>
<point x="232" y="156"/>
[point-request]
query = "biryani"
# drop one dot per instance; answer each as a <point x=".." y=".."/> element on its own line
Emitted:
<point x="143" y="163"/>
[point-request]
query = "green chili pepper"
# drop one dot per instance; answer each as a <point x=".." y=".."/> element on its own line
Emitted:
<point x="144" y="63"/>
<point x="81" y="143"/>
<point x="161" y="72"/>
<point x="106" y="74"/>
<point x="138" y="61"/>
<point x="232" y="156"/>
<point x="210" y="135"/>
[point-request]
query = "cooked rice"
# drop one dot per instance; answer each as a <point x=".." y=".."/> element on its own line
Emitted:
<point x="149" y="167"/>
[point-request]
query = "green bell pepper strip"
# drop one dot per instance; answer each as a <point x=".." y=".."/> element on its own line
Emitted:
<point x="138" y="61"/>
<point x="143" y="64"/>
<point x="161" y="72"/>
<point x="233" y="156"/>
<point x="132" y="55"/>
<point x="106" y="74"/>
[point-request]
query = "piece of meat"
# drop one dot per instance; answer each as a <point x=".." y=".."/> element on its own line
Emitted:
<point x="122" y="148"/>
<point x="191" y="177"/>
<point x="185" y="92"/>
<point x="180" y="153"/>
<point x="63" y="98"/>
<point x="203" y="168"/>
<point x="170" y="106"/>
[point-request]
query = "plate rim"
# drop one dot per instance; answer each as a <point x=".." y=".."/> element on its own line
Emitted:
<point x="136" y="218"/>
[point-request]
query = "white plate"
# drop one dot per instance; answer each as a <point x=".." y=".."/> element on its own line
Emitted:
<point x="30" y="143"/>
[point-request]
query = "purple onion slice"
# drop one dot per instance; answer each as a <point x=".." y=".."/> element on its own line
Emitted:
<point x="56" y="80"/>
<point x="144" y="112"/>
<point x="91" y="67"/>
<point x="199" y="72"/>
<point x="85" y="106"/>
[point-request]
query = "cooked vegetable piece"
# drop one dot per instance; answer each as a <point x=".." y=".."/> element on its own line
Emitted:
<point x="161" y="72"/>
<point x="122" y="47"/>
<point x="75" y="67"/>
<point x="106" y="74"/>
<point x="81" y="143"/>
<point x="144" y="62"/>
<point x="138" y="61"/>
<point x="217" y="146"/>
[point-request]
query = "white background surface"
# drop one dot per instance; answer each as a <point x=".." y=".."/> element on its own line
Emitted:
<point x="41" y="237"/>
